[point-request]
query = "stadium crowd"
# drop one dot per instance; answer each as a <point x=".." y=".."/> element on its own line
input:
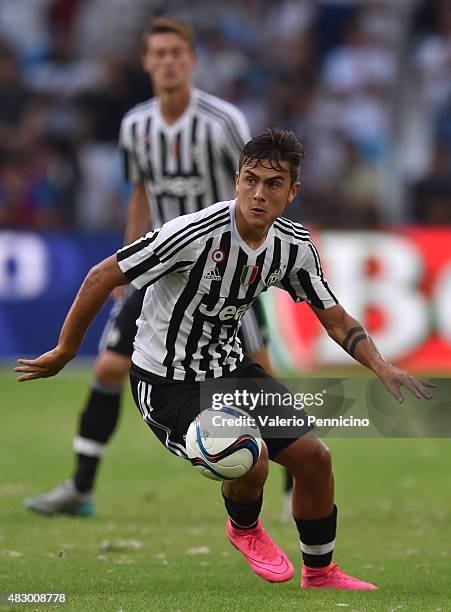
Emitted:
<point x="366" y="84"/>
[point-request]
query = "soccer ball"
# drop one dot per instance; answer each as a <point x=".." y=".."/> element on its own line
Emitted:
<point x="223" y="443"/>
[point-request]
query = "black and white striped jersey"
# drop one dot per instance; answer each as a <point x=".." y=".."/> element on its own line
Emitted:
<point x="187" y="165"/>
<point x="207" y="279"/>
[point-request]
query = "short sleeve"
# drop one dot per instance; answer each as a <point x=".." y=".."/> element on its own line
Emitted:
<point x="305" y="280"/>
<point x="148" y="259"/>
<point x="127" y="137"/>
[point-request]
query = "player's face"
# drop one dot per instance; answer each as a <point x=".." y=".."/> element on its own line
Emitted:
<point x="264" y="192"/>
<point x="169" y="61"/>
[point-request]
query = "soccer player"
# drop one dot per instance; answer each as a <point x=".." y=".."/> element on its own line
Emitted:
<point x="202" y="271"/>
<point x="180" y="152"/>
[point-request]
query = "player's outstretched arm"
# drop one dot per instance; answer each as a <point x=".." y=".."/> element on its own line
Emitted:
<point x="352" y="337"/>
<point x="93" y="293"/>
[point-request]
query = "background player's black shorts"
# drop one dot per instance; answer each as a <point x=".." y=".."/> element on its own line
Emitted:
<point x="169" y="407"/>
<point x="120" y="329"/>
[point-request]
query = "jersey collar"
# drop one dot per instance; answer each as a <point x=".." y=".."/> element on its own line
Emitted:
<point x="183" y="117"/>
<point x="243" y="244"/>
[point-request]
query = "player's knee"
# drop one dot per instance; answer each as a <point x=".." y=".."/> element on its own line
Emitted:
<point x="310" y="457"/>
<point x="255" y="478"/>
<point x="252" y="483"/>
<point x="263" y="460"/>
<point x="319" y="464"/>
<point x="323" y="459"/>
<point x="259" y="473"/>
<point x="111" y="369"/>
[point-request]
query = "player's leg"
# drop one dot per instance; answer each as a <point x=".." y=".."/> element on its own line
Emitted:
<point x="315" y="514"/>
<point x="287" y="496"/>
<point x="254" y="337"/>
<point x="243" y="499"/>
<point x="169" y="409"/>
<point x="100" y="415"/>
<point x="303" y="454"/>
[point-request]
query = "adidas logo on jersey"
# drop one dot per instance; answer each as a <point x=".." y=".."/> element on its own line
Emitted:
<point x="213" y="275"/>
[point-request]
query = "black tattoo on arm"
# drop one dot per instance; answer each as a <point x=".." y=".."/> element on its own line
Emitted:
<point x="353" y="337"/>
<point x="355" y="342"/>
<point x="354" y="330"/>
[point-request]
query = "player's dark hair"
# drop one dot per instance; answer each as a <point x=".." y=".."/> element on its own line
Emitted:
<point x="165" y="25"/>
<point x="275" y="146"/>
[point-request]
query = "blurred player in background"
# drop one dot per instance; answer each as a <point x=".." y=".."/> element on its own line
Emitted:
<point x="180" y="153"/>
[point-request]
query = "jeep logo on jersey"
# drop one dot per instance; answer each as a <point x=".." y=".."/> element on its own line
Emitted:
<point x="274" y="277"/>
<point x="179" y="186"/>
<point x="221" y="312"/>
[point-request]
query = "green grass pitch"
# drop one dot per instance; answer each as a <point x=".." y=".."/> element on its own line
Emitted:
<point x="158" y="542"/>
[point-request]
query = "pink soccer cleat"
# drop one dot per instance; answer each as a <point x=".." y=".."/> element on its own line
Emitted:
<point x="265" y="558"/>
<point x="332" y="577"/>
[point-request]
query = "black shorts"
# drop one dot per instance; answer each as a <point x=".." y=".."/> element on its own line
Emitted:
<point x="169" y="407"/>
<point x="120" y="329"/>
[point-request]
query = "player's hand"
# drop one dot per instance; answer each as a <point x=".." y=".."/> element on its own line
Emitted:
<point x="394" y="378"/>
<point x="46" y="365"/>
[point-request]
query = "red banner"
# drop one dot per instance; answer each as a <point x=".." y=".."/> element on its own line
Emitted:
<point x="397" y="282"/>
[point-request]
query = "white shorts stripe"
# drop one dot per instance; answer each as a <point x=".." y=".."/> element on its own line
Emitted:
<point x="144" y="394"/>
<point x="149" y="388"/>
<point x="139" y="401"/>
<point x="90" y="448"/>
<point x="317" y="549"/>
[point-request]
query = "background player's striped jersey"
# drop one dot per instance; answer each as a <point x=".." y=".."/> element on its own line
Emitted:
<point x="208" y="277"/>
<point x="189" y="164"/>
